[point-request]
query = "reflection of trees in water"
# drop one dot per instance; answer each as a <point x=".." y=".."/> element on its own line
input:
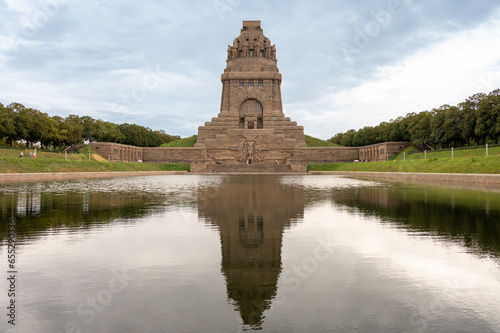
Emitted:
<point x="37" y="212"/>
<point x="251" y="214"/>
<point x="472" y="218"/>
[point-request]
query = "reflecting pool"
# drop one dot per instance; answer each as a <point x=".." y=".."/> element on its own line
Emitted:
<point x="217" y="253"/>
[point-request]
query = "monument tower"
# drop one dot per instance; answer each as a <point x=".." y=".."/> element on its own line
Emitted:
<point x="251" y="127"/>
<point x="251" y="132"/>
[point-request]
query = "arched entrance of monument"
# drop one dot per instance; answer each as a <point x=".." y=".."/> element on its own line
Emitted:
<point x="251" y="114"/>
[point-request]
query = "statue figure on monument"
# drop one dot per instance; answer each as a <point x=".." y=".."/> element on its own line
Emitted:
<point x="267" y="42"/>
<point x="229" y="52"/>
<point x="257" y="50"/>
<point x="245" y="49"/>
<point x="267" y="52"/>
<point x="273" y="52"/>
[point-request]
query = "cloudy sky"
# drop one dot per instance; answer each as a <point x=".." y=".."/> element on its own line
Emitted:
<point x="345" y="64"/>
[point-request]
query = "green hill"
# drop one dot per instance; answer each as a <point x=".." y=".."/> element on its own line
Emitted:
<point x="413" y="153"/>
<point x="314" y="142"/>
<point x="465" y="160"/>
<point x="190" y="141"/>
<point x="76" y="162"/>
<point x="184" y="142"/>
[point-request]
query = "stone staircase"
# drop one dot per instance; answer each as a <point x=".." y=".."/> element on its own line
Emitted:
<point x="249" y="168"/>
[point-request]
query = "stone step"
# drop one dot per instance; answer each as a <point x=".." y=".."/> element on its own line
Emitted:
<point x="244" y="168"/>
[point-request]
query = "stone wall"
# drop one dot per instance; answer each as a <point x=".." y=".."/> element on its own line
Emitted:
<point x="115" y="152"/>
<point x="227" y="150"/>
<point x="323" y="155"/>
<point x="381" y="151"/>
<point x="173" y="155"/>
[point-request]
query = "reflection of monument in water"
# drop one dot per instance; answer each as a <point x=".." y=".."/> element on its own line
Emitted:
<point x="251" y="214"/>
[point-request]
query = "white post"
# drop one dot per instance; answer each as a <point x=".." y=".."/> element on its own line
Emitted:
<point x="486" y="149"/>
<point x="109" y="157"/>
<point x="34" y="156"/>
<point x="66" y="155"/>
<point x="451" y="152"/>
<point x="425" y="154"/>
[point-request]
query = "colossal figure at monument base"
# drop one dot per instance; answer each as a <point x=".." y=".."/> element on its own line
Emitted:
<point x="251" y="132"/>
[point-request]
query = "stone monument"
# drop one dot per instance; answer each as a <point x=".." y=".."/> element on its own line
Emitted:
<point x="251" y="132"/>
<point x="251" y="127"/>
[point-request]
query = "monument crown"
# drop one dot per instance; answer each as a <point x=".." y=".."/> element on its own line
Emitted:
<point x="247" y="24"/>
<point x="251" y="44"/>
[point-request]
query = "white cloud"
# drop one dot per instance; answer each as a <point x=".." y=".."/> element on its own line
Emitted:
<point x="444" y="73"/>
<point x="90" y="53"/>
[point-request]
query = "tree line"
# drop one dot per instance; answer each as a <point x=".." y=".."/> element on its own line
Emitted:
<point x="19" y="123"/>
<point x="473" y="122"/>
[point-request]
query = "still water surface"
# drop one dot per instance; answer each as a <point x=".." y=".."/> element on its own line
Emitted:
<point x="241" y="253"/>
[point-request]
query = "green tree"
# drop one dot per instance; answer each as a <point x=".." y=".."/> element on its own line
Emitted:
<point x="7" y="127"/>
<point x="469" y="115"/>
<point x="74" y="130"/>
<point x="25" y="122"/>
<point x="398" y="130"/>
<point x="348" y="138"/>
<point x="419" y="129"/>
<point x="452" y="127"/>
<point x="49" y="130"/>
<point x="60" y="138"/>
<point x="108" y="132"/>
<point x="488" y="117"/>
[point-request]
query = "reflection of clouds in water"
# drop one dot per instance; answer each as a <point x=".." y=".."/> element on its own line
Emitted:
<point x="151" y="184"/>
<point x="319" y="182"/>
<point x="175" y="188"/>
<point x="428" y="278"/>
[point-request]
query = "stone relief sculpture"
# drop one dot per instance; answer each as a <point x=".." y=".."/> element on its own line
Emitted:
<point x="257" y="51"/>
<point x="245" y="49"/>
<point x="273" y="52"/>
<point x="267" y="52"/>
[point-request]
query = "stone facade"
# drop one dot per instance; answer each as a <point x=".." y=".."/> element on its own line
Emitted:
<point x="251" y="130"/>
<point x="251" y="127"/>
<point x="116" y="152"/>
<point x="381" y="151"/>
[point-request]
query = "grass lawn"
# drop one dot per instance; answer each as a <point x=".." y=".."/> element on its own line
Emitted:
<point x="184" y="142"/>
<point x="78" y="162"/>
<point x="459" y="152"/>
<point x="467" y="164"/>
<point x="314" y="142"/>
